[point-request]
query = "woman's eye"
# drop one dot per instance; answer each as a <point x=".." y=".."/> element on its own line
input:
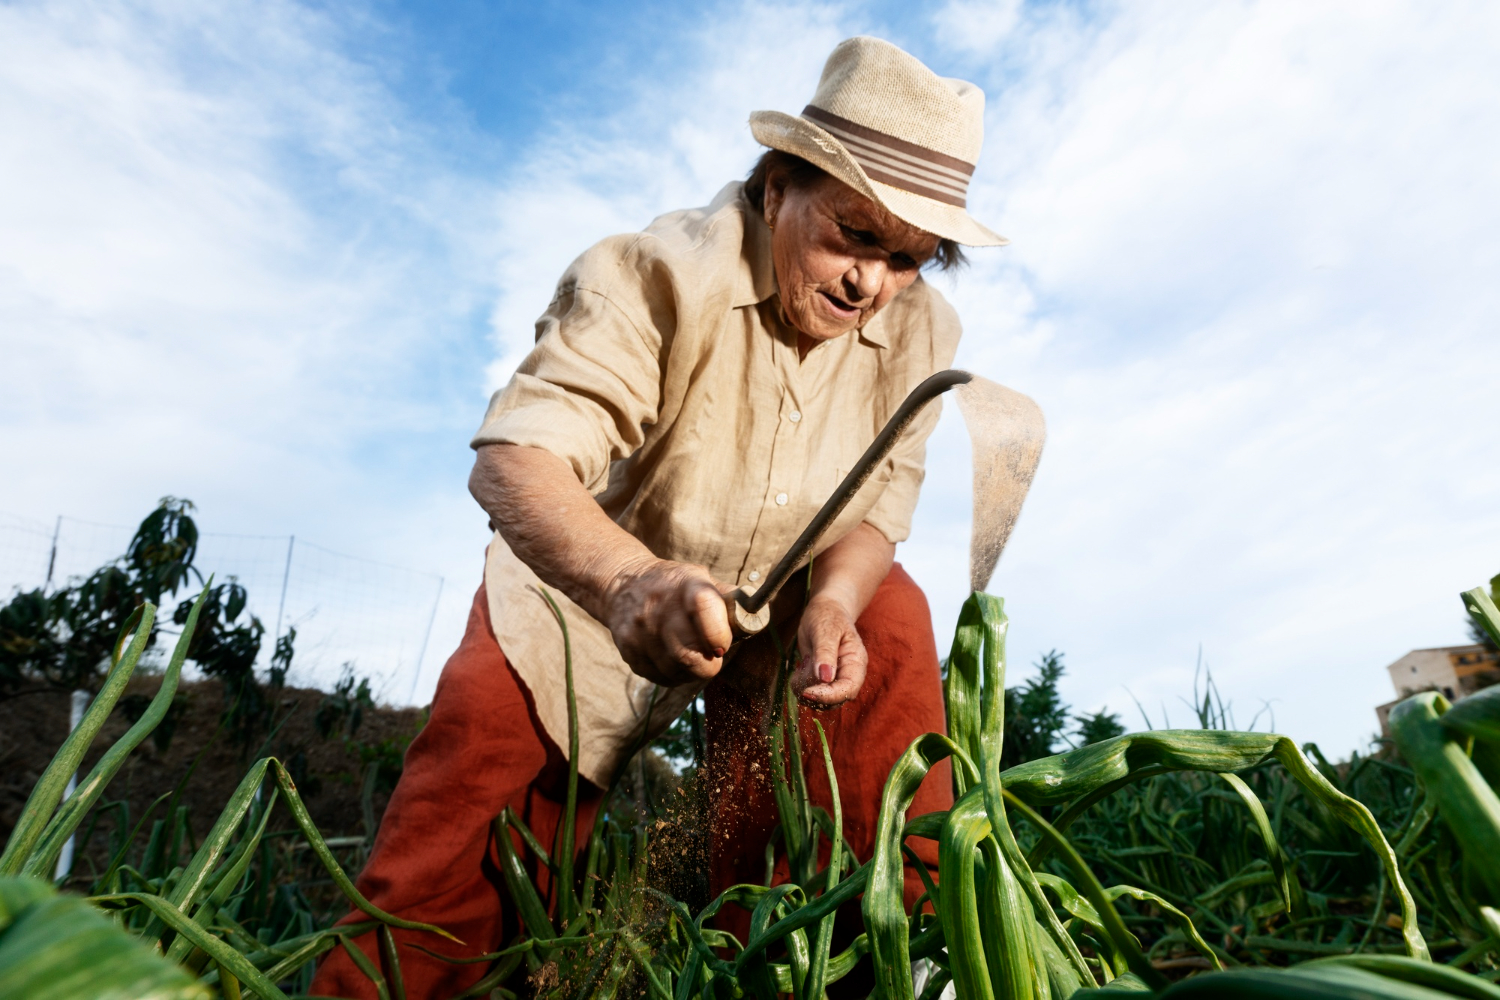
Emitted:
<point x="902" y="262"/>
<point x="860" y="236"/>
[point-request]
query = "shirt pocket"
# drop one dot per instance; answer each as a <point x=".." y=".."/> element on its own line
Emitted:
<point x="879" y="479"/>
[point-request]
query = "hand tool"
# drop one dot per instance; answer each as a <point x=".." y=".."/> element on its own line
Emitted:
<point x="1012" y="465"/>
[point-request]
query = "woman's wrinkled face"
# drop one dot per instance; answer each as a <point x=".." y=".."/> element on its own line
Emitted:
<point x="839" y="256"/>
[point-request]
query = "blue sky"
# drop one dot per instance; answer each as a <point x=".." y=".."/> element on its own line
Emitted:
<point x="274" y="256"/>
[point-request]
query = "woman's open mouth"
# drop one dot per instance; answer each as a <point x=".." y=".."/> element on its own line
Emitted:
<point x="839" y="307"/>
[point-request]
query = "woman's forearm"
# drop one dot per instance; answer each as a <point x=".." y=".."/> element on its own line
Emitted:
<point x="552" y="523"/>
<point x="667" y="618"/>
<point x="852" y="569"/>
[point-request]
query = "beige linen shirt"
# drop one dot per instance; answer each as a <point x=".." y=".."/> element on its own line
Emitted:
<point x="664" y="374"/>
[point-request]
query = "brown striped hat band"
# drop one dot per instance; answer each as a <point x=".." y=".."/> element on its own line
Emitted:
<point x="897" y="162"/>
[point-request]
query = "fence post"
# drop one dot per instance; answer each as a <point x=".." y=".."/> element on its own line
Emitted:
<point x="286" y="575"/>
<point x="417" y="674"/>
<point x="52" y="559"/>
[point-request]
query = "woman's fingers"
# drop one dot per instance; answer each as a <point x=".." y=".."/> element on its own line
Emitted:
<point x="821" y="659"/>
<point x="710" y="618"/>
<point x="849" y="677"/>
<point x="633" y="637"/>
<point x="685" y="649"/>
<point x="833" y="668"/>
<point x="853" y="661"/>
<point x="646" y="667"/>
<point x="669" y="623"/>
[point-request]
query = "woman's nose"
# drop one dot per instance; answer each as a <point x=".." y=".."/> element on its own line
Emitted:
<point x="866" y="277"/>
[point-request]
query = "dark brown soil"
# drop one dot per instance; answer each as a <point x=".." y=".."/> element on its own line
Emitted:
<point x="328" y="770"/>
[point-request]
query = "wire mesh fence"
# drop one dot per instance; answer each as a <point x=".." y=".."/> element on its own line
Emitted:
<point x="25" y="546"/>
<point x="372" y="617"/>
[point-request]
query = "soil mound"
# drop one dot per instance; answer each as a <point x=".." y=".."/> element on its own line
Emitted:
<point x="329" y="770"/>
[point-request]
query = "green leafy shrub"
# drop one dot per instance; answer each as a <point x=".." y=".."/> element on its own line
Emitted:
<point x="62" y="639"/>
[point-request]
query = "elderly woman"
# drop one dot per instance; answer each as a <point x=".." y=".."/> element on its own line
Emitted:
<point x="695" y="393"/>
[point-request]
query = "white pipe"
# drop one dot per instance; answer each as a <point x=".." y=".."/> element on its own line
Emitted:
<point x="80" y="705"/>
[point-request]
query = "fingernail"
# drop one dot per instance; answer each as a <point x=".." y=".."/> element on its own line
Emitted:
<point x="825" y="672"/>
<point x="718" y="651"/>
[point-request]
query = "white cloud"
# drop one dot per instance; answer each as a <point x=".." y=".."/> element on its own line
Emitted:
<point x="976" y="27"/>
<point x="1251" y="285"/>
<point x="1252" y="249"/>
<point x="226" y="262"/>
<point x="675" y="144"/>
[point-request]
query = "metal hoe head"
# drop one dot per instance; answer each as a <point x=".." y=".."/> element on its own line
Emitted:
<point x="1006" y="431"/>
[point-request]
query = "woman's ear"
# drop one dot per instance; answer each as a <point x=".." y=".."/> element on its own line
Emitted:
<point x="774" y="196"/>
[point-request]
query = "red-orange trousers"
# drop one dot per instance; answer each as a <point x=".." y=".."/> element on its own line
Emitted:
<point x="484" y="748"/>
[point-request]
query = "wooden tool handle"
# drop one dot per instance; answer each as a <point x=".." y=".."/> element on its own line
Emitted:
<point x="746" y="622"/>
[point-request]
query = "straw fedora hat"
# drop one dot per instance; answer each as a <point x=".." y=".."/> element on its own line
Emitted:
<point x="894" y="131"/>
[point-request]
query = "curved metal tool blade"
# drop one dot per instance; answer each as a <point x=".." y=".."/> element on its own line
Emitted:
<point x="1006" y="431"/>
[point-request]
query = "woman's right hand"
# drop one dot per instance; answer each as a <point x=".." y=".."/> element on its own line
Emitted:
<point x="668" y="620"/>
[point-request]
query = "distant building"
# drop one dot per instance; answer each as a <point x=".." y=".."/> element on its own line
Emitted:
<point x="1455" y="672"/>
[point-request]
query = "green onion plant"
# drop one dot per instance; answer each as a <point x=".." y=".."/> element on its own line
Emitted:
<point x="1179" y="863"/>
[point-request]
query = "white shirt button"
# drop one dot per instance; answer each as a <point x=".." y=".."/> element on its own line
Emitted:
<point x="781" y="499"/>
<point x="795" y="416"/>
<point x="754" y="575"/>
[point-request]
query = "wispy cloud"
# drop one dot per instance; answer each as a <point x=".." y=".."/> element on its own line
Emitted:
<point x="677" y="140"/>
<point x="232" y="267"/>
<point x="1251" y="285"/>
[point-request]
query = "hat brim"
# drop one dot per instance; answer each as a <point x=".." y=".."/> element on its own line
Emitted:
<point x="800" y="137"/>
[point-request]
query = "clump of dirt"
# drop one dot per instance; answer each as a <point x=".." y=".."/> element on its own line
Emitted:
<point x="663" y="811"/>
<point x="328" y="770"/>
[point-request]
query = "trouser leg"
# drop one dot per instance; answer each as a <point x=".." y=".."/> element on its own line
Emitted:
<point x="434" y="860"/>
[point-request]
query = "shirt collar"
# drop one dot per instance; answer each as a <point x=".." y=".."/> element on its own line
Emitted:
<point x="874" y="332"/>
<point x="757" y="277"/>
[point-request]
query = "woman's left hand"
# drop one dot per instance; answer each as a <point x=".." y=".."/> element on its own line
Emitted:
<point x="833" y="657"/>
<point x="844" y="578"/>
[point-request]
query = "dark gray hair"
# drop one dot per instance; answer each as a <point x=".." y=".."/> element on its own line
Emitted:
<point x="802" y="174"/>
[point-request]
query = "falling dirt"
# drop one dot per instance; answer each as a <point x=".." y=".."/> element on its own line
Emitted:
<point x="1006" y="431"/>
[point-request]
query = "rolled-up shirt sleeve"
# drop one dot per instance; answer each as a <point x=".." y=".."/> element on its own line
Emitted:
<point x="591" y="386"/>
<point x="906" y="465"/>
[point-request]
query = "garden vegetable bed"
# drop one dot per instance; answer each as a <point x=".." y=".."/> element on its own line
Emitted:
<point x="1114" y="867"/>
